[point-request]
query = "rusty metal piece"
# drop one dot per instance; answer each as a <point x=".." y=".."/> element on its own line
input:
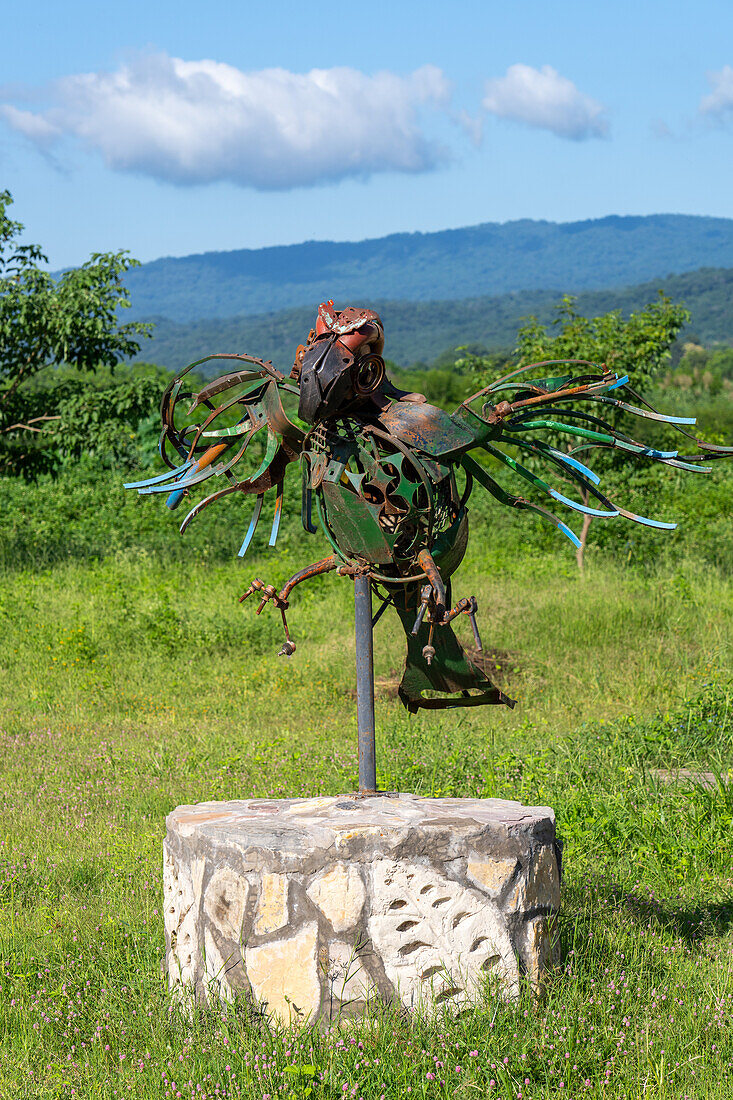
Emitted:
<point x="426" y="562"/>
<point x="257" y="585"/>
<point x="325" y="565"/>
<point x="474" y="625"/>
<point x="268" y="593"/>
<point x="425" y="593"/>
<point x="287" y="649"/>
<point x="428" y="651"/>
<point x="460" y="608"/>
<point x="499" y="412"/>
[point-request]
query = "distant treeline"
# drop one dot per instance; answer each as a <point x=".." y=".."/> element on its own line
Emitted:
<point x="421" y="333"/>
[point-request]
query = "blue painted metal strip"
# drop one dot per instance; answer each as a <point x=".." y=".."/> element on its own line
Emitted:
<point x="169" y="475"/>
<point x="576" y="465"/>
<point x="252" y="526"/>
<point x="278" y="515"/>
<point x="648" y="522"/>
<point x="566" y="531"/>
<point x="601" y="513"/>
<point x="174" y="499"/>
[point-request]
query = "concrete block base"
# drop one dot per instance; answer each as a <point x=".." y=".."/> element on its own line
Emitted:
<point x="312" y="907"/>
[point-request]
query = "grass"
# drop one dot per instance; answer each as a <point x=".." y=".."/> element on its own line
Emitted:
<point x="131" y="685"/>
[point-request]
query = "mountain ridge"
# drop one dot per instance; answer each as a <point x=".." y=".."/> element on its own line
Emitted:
<point x="489" y="259"/>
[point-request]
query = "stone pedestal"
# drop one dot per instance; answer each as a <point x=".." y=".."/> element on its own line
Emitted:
<point x="313" y="907"/>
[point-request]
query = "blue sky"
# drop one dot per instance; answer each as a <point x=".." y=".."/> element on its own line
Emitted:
<point x="170" y="128"/>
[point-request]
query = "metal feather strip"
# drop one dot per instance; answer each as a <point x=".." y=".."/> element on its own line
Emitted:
<point x="196" y="477"/>
<point x="540" y="483"/>
<point x="492" y="388"/>
<point x="198" y="508"/>
<point x="517" y="422"/>
<point x="539" y="448"/>
<point x="484" y="479"/>
<point x="211" y="471"/>
<point x="610" y="437"/>
<point x="169" y="475"/>
<point x="662" y="418"/>
<point x="273" y="442"/>
<point x="252" y="526"/>
<point x="278" y="514"/>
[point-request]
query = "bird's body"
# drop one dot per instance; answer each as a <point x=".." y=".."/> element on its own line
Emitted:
<point x="386" y="476"/>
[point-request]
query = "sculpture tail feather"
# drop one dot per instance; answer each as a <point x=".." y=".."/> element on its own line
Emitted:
<point x="451" y="671"/>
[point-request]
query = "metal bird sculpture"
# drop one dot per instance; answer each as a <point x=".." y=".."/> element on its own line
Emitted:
<point x="379" y="477"/>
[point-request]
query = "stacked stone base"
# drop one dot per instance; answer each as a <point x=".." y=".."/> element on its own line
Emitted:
<point x="313" y="908"/>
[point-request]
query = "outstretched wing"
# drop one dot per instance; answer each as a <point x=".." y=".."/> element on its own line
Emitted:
<point x="516" y="412"/>
<point x="211" y="438"/>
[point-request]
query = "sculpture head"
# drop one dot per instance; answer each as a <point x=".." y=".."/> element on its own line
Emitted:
<point x="341" y="365"/>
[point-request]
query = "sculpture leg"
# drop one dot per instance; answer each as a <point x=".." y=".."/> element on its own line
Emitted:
<point x="436" y="660"/>
<point x="280" y="599"/>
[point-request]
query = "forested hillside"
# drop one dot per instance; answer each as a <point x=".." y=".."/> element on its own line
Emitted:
<point x="487" y="259"/>
<point x="421" y="331"/>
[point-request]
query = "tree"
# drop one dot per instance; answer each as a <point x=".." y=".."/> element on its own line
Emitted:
<point x="639" y="345"/>
<point x="47" y="322"/>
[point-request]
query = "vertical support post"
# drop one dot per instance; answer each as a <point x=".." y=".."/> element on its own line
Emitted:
<point x="365" y="684"/>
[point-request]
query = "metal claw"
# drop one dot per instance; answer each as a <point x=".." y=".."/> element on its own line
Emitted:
<point x="471" y="612"/>
<point x="428" y="651"/>
<point x="257" y="585"/>
<point x="268" y="593"/>
<point x="425" y="594"/>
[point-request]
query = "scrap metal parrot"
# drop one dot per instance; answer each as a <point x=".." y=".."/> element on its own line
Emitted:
<point x="379" y="473"/>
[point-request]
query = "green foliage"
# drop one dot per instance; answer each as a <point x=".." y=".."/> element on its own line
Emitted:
<point x="703" y="372"/>
<point x="95" y="418"/>
<point x="47" y="322"/>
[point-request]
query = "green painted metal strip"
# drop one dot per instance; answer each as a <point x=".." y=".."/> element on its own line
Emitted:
<point x="273" y="442"/>
<point x="517" y="467"/>
<point x="478" y="472"/>
<point x="326" y="529"/>
<point x="559" y="426"/>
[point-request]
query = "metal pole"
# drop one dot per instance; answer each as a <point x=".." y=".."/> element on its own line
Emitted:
<point x="365" y="684"/>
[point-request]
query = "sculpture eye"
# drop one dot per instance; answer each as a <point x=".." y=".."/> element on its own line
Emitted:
<point x="368" y="374"/>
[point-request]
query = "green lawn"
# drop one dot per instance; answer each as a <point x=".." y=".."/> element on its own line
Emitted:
<point x="134" y="683"/>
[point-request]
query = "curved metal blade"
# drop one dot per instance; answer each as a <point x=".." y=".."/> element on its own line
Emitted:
<point x="169" y="475"/>
<point x="278" y="514"/>
<point x="252" y="526"/>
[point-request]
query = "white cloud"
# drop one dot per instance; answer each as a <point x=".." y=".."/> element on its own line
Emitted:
<point x="545" y="100"/>
<point x="191" y="122"/>
<point x="35" y="127"/>
<point x="718" y="106"/>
